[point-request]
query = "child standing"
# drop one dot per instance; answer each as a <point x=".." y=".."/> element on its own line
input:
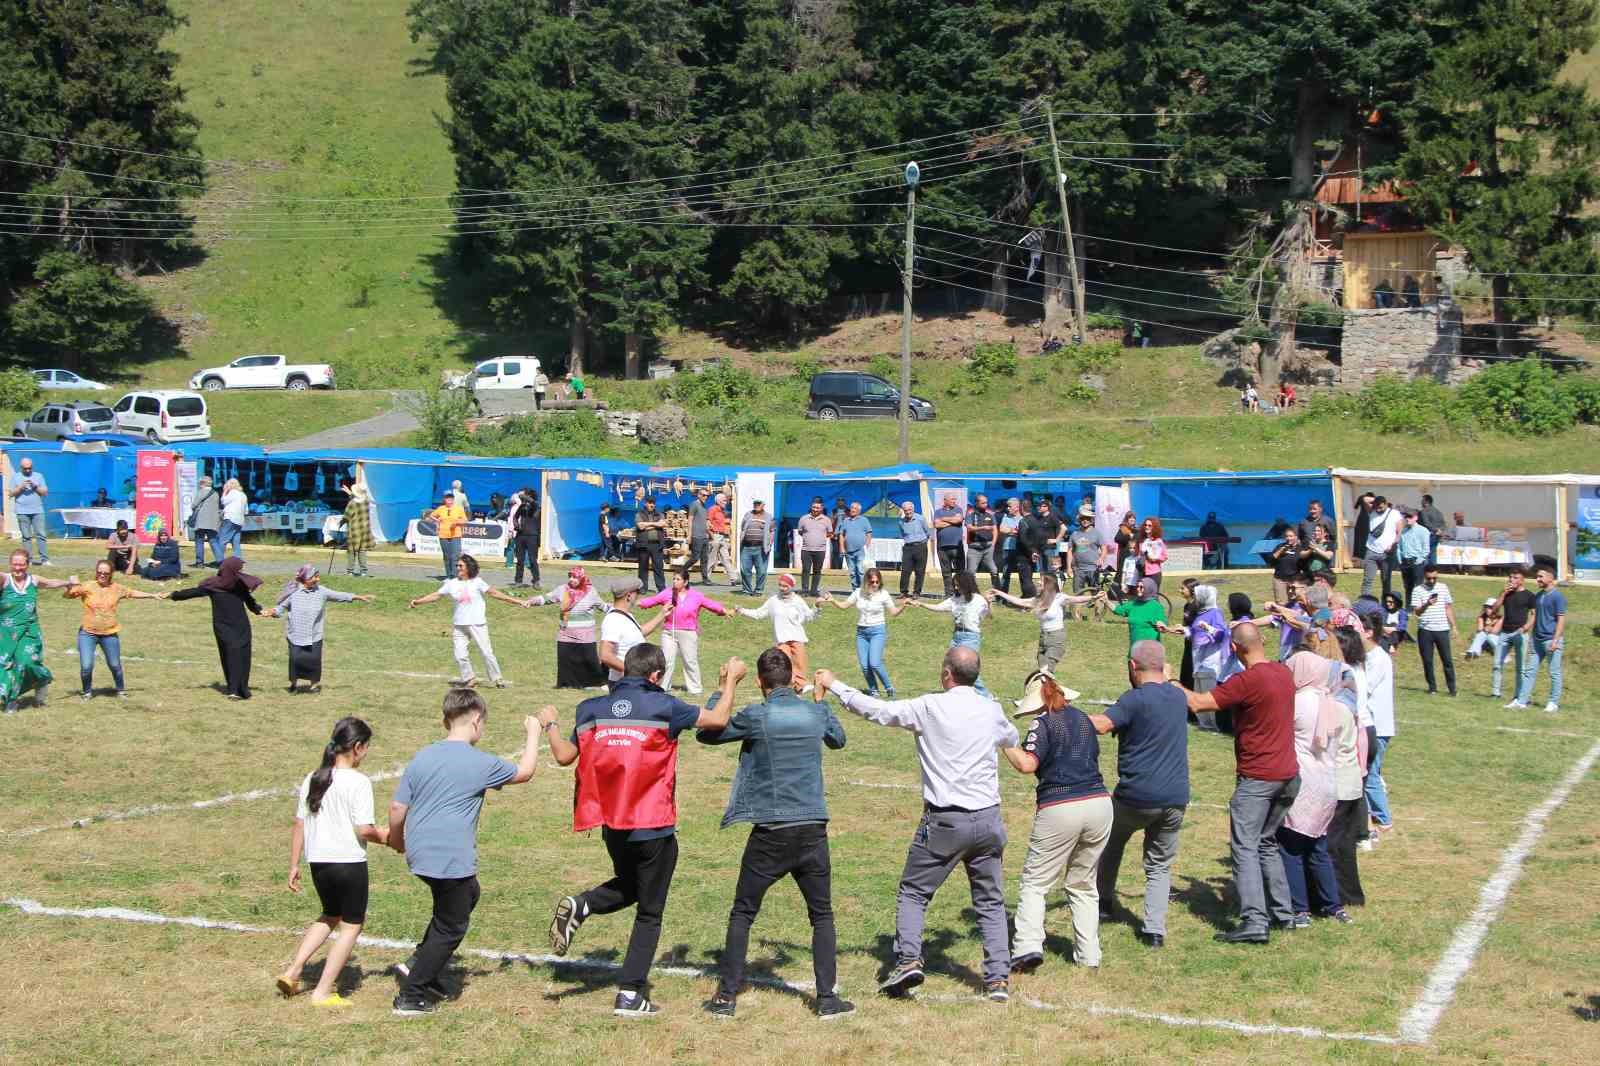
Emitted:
<point x="331" y="827"/>
<point x="434" y="821"/>
<point x="789" y="614"/>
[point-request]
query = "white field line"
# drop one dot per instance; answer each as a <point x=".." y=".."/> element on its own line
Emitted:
<point x="918" y="788"/>
<point x="1498" y="729"/>
<point x="1418" y="1023"/>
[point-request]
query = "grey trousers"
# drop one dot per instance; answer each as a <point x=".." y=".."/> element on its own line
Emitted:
<point x="944" y="840"/>
<point x="1255" y="813"/>
<point x="1161" y="826"/>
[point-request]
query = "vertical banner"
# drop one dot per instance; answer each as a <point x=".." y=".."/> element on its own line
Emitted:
<point x="188" y="489"/>
<point x="748" y="489"/>
<point x="1586" y="563"/>
<point x="155" y="494"/>
<point x="1110" y="504"/>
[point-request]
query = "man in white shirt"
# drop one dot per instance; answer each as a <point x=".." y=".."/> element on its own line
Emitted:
<point x="619" y="631"/>
<point x="1383" y="534"/>
<point x="1435" y="613"/>
<point x="959" y="734"/>
<point x="1379" y="671"/>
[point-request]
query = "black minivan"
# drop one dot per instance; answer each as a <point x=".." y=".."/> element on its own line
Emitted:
<point x="848" y="394"/>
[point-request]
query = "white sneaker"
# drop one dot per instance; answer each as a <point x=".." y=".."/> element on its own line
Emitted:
<point x="1515" y="705"/>
<point x="1551" y="708"/>
<point x="1368" y="844"/>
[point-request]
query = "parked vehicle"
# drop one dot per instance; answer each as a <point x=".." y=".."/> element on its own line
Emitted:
<point x="264" y="372"/>
<point x="518" y="372"/>
<point x="66" y="379"/>
<point x="56" y="420"/>
<point x="848" y="394"/>
<point x="164" y="415"/>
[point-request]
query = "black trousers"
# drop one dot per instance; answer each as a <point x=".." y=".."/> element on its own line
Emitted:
<point x="526" y="549"/>
<point x="811" y="571"/>
<point x="952" y="560"/>
<point x="913" y="567"/>
<point x="642" y="874"/>
<point x="650" y="558"/>
<point x="453" y="901"/>
<point x="770" y="855"/>
<point x="1411" y="576"/>
<point x="1347" y="828"/>
<point x="1427" y="641"/>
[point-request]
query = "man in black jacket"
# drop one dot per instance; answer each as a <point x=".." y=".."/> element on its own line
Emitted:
<point x="1033" y="535"/>
<point x="524" y="521"/>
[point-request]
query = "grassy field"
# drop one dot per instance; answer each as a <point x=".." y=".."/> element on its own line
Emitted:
<point x="105" y="990"/>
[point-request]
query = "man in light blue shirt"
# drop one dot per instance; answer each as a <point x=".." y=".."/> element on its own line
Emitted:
<point x="914" y="534"/>
<point x="27" y="503"/>
<point x="855" y="538"/>
<point x="1415" y="545"/>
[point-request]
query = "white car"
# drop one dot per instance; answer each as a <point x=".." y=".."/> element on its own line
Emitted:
<point x="264" y="372"/>
<point x="66" y="379"/>
<point x="163" y="415"/>
<point x="514" y="373"/>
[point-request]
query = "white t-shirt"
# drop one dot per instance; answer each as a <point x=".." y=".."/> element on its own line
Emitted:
<point x="619" y="628"/>
<point x="1054" y="617"/>
<point x="968" y="615"/>
<point x="1380" y="691"/>
<point x="872" y="608"/>
<point x="330" y="834"/>
<point x="233" y="507"/>
<point x="468" y="597"/>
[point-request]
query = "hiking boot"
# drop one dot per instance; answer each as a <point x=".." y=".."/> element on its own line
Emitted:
<point x="721" y="1005"/>
<point x="1027" y="963"/>
<point x="998" y="991"/>
<point x="413" y="1006"/>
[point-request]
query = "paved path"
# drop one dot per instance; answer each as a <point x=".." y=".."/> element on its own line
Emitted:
<point x="391" y="423"/>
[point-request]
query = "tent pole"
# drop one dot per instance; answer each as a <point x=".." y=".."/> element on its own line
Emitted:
<point x="1561" y="533"/>
<point x="9" y="512"/>
<point x="1341" y="545"/>
<point x="544" y="517"/>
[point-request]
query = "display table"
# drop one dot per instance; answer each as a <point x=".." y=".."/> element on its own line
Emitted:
<point x="292" y="523"/>
<point x="481" y="540"/>
<point x="1480" y="553"/>
<point x="97" y="517"/>
<point x="884" y="551"/>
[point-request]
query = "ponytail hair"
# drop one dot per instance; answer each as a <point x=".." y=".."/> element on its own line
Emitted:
<point x="347" y="733"/>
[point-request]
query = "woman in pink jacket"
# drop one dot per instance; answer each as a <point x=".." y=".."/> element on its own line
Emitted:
<point x="680" y="632"/>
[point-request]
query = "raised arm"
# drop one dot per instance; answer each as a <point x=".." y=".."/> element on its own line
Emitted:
<point x="529" y="762"/>
<point x="716" y="716"/>
<point x="907" y="714"/>
<point x="496" y="594"/>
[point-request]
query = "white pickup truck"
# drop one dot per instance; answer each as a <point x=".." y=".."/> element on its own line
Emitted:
<point x="264" y="372"/>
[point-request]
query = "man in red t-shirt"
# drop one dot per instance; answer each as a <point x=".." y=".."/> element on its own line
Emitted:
<point x="1262" y="701"/>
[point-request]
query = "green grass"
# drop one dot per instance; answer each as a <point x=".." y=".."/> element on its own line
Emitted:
<point x="87" y="991"/>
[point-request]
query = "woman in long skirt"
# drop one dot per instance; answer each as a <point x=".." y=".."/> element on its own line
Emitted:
<point x="304" y="603"/>
<point x="229" y="592"/>
<point x="21" y="643"/>
<point x="358" y="539"/>
<point x="577" y="655"/>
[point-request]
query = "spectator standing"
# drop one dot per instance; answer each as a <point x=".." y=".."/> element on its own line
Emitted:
<point x="950" y="535"/>
<point x="1383" y="536"/>
<point x="650" y="544"/>
<point x="981" y="526"/>
<point x="1151" y="721"/>
<point x="719" y="527"/>
<point x="1432" y="519"/>
<point x="462" y="502"/>
<point x="1516" y="606"/>
<point x="1086" y="551"/>
<point x="610" y="543"/>
<point x="958" y="732"/>
<point x="205" y="518"/>
<point x="1127" y="540"/>
<point x="1362" y="529"/>
<point x="235" y="506"/>
<point x="1317" y="556"/>
<point x="1315" y="516"/>
<point x="358" y="539"/>
<point x="914" y="535"/>
<point x="1152" y="551"/>
<point x="755" y="547"/>
<point x="576" y="383"/>
<point x="816" y="529"/>
<point x="1007" y="532"/>
<point x="1549" y="637"/>
<point x="1285" y="565"/>
<point x="1033" y="543"/>
<point x="525" y="519"/>
<point x="448" y="518"/>
<point x="840" y="512"/>
<point x="28" y="492"/>
<point x="541" y="385"/>
<point x="1413" y="548"/>
<point x="700" y="533"/>
<point x="1436" y="620"/>
<point x="1215" y="534"/>
<point x="855" y="538"/>
<point x="1261" y="701"/>
<point x="680" y="632"/>
<point x="789" y="614"/>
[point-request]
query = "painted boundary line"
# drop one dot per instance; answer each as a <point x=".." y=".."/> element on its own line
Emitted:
<point x="123" y="914"/>
<point x="1418" y="1023"/>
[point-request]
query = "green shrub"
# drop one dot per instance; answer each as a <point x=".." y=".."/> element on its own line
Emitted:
<point x="1078" y="392"/>
<point x="720" y="386"/>
<point x="994" y="360"/>
<point x="442" y="418"/>
<point x="884" y="365"/>
<point x="1584" y="392"/>
<point x="18" y="389"/>
<point x="1110" y="316"/>
<point x="1589" y="331"/>
<point x="1521" y="397"/>
<point x="803" y="370"/>
<point x="1318" y="313"/>
<point x="1101" y="355"/>
<point x="748" y="424"/>
<point x="578" y="433"/>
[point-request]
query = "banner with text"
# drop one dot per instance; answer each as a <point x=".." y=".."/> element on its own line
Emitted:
<point x="155" y="493"/>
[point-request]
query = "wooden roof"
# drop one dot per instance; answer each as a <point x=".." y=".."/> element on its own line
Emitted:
<point x="1344" y="187"/>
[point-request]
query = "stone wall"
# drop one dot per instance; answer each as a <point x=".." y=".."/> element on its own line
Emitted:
<point x="1411" y="342"/>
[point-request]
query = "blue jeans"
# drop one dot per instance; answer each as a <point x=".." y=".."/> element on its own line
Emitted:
<point x="1530" y="673"/>
<point x="450" y="548"/>
<point x="230" y="534"/>
<point x="1307" y="865"/>
<point x="1377" y="791"/>
<point x="853" y="562"/>
<point x="32" y="528"/>
<point x="202" y="537"/>
<point x="111" y="645"/>
<point x="753" y="569"/>
<point x="1517" y="640"/>
<point x="966" y="638"/>
<point x="870" y="641"/>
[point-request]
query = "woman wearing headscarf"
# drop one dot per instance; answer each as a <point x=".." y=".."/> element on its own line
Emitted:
<point x="1303" y="839"/>
<point x="21" y="641"/>
<point x="1350" y="767"/>
<point x="357" y="529"/>
<point x="304" y="604"/>
<point x="1211" y="641"/>
<point x="165" y="562"/>
<point x="577" y="656"/>
<point x="229" y="592"/>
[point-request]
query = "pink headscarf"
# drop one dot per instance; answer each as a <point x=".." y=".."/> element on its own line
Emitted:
<point x="1311" y="677"/>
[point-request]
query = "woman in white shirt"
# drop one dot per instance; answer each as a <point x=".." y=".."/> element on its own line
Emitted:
<point x="471" y="619"/>
<point x="789" y="614"/>
<point x="332" y="825"/>
<point x="235" y="505"/>
<point x="968" y="609"/>
<point x="874" y="606"/>
<point x="1049" y="606"/>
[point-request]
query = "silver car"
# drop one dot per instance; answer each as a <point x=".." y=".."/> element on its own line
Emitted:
<point x="66" y="379"/>
<point x="56" y="420"/>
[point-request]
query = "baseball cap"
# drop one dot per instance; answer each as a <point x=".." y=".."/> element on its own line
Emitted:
<point x="1490" y="602"/>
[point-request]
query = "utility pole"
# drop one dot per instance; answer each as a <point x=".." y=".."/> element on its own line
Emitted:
<point x="1080" y="323"/>
<point x="913" y="174"/>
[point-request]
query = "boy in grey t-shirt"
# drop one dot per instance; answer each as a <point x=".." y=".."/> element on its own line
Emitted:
<point x="433" y="820"/>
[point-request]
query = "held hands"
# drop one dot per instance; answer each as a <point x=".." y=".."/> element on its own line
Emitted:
<point x="532" y="726"/>
<point x="412" y="605"/>
<point x="733" y="670"/>
<point x="822" y="682"/>
<point x="547" y="716"/>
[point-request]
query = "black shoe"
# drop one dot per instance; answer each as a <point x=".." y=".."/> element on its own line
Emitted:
<point x="998" y="991"/>
<point x="1152" y="940"/>
<point x="1027" y="963"/>
<point x="902" y="979"/>
<point x="1242" y="936"/>
<point x="414" y="1006"/>
<point x="634" y="1005"/>
<point x="564" y="925"/>
<point x="829" y="1007"/>
<point x="721" y="1005"/>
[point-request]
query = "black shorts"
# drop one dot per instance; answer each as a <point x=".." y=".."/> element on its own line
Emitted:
<point x="342" y="887"/>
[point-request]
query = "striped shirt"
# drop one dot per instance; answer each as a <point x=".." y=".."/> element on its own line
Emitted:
<point x="1432" y="618"/>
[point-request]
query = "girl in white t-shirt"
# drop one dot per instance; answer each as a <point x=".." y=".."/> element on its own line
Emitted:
<point x="874" y="606"/>
<point x="332" y="825"/>
<point x="470" y="594"/>
<point x="968" y="609"/>
<point x="1050" y="607"/>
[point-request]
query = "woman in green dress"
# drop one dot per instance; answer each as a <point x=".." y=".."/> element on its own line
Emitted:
<point x="22" y="666"/>
<point x="357" y="528"/>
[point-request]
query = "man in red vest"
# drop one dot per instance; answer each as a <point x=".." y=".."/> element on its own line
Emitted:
<point x="626" y="746"/>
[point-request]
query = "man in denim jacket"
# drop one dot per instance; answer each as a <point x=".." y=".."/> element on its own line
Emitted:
<point x="778" y="790"/>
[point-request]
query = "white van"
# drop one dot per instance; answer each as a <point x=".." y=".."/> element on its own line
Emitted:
<point x="163" y="415"/>
<point x="516" y="372"/>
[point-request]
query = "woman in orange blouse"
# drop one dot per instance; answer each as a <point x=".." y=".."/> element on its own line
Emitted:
<point x="99" y="626"/>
